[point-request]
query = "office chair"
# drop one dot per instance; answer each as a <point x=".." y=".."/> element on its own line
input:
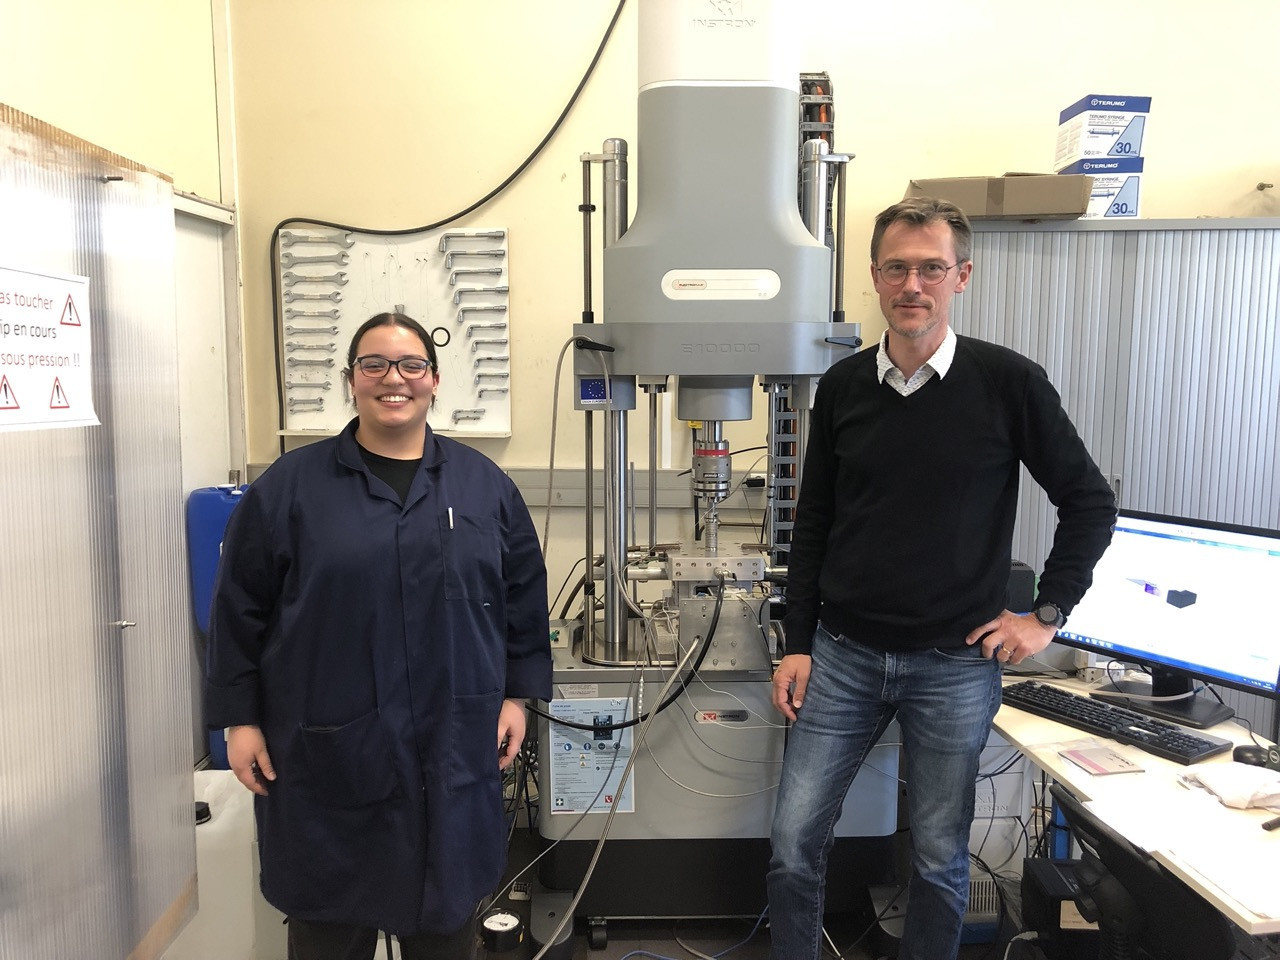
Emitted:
<point x="1142" y="910"/>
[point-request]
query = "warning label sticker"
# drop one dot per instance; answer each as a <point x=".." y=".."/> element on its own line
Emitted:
<point x="46" y="358"/>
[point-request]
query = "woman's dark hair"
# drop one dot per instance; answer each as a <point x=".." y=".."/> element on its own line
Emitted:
<point x="392" y="320"/>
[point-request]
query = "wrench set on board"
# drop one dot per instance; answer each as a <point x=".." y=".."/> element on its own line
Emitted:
<point x="453" y="281"/>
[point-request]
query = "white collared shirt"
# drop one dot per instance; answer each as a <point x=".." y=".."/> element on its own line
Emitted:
<point x="939" y="363"/>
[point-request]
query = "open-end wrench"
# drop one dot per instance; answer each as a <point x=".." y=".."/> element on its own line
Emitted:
<point x="292" y="295"/>
<point x="476" y="413"/>
<point x="473" y="272"/>
<point x="291" y="328"/>
<point x="299" y="345"/>
<point x="462" y="291"/>
<point x="342" y="258"/>
<point x="288" y="238"/>
<point x="491" y="342"/>
<point x="308" y="362"/>
<point x="314" y="403"/>
<point x="292" y="313"/>
<point x="340" y="278"/>
<point x="473" y="327"/>
<point x="480" y="360"/>
<point x="469" y="234"/>
<point x="299" y="384"/>
<point x="484" y="308"/>
<point x="448" y="257"/>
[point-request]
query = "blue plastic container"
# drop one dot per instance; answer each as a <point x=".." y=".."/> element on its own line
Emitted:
<point x="208" y="510"/>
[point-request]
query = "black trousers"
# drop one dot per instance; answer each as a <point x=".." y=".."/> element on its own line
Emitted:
<point x="337" y="941"/>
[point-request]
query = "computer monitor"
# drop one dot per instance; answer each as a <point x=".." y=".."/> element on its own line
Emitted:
<point x="1190" y="600"/>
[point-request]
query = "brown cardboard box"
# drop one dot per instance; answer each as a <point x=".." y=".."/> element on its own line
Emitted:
<point x="1015" y="196"/>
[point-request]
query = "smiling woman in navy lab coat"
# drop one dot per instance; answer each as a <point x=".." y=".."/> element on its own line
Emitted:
<point x="380" y="614"/>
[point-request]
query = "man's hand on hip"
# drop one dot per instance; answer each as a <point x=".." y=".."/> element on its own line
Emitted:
<point x="789" y="683"/>
<point x="1009" y="637"/>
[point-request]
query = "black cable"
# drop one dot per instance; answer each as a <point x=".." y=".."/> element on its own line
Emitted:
<point x="1004" y="768"/>
<point x="529" y="805"/>
<point x="671" y="697"/>
<point x="1026" y="836"/>
<point x="1045" y="815"/>
<point x="274" y="248"/>
<point x="518" y="776"/>
<point x="566" y="582"/>
<point x="564" y="611"/>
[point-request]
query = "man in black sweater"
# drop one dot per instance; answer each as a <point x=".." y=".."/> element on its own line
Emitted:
<point x="898" y="575"/>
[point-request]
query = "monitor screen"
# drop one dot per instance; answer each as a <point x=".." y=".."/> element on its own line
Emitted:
<point x="1188" y="599"/>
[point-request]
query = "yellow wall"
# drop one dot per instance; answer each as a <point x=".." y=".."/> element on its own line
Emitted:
<point x="394" y="114"/>
<point x="135" y="77"/>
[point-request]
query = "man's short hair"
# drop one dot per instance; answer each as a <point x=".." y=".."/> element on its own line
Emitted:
<point x="920" y="212"/>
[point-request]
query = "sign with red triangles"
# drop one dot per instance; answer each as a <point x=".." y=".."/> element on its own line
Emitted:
<point x="46" y="350"/>
<point x="58" y="399"/>
<point x="70" y="316"/>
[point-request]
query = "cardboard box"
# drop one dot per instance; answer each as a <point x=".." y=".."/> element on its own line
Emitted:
<point x="1101" y="125"/>
<point x="1015" y="196"/>
<point x="1117" y="186"/>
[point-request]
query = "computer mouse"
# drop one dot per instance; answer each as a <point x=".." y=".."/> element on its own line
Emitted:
<point x="1251" y="754"/>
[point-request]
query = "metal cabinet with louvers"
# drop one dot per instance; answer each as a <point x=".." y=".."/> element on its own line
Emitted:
<point x="1163" y="337"/>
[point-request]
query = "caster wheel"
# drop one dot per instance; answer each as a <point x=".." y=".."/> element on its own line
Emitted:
<point x="597" y="933"/>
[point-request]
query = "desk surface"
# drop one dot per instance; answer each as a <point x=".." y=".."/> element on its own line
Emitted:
<point x="1221" y="853"/>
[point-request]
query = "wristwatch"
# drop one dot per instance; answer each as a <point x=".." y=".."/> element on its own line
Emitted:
<point x="1049" y="613"/>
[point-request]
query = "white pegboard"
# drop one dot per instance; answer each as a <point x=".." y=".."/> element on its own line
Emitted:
<point x="452" y="281"/>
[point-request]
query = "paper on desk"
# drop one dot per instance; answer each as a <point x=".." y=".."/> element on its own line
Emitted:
<point x="1239" y="861"/>
<point x="1149" y="819"/>
<point x="1228" y="850"/>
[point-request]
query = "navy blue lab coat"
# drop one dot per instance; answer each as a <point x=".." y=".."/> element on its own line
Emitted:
<point x="374" y="644"/>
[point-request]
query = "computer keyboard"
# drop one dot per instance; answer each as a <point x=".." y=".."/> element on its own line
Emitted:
<point x="1157" y="737"/>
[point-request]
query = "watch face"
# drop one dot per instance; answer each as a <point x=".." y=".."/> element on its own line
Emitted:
<point x="1048" y="614"/>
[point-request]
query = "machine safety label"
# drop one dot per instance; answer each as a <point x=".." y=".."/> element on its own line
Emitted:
<point x="587" y="764"/>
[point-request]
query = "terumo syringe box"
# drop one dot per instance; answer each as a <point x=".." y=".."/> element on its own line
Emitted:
<point x="1101" y="125"/>
<point x="1117" y="186"/>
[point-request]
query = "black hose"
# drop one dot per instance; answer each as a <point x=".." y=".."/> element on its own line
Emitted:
<point x="672" y="697"/>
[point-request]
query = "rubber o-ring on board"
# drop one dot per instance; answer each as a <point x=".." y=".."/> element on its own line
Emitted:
<point x="435" y="338"/>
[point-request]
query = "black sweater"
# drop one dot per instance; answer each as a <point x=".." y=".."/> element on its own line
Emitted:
<point x="904" y="527"/>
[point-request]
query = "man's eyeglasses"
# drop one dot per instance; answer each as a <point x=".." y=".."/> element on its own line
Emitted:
<point x="895" y="272"/>
<point x="411" y="368"/>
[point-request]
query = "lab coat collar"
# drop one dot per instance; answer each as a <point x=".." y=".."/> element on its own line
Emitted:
<point x="433" y="453"/>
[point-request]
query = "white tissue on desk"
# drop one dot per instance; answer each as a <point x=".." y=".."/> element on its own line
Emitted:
<point x="1239" y="785"/>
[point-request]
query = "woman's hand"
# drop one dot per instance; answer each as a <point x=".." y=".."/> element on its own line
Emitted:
<point x="248" y="758"/>
<point x="511" y="729"/>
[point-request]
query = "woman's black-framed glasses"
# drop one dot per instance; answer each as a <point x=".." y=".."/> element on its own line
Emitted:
<point x="895" y="272"/>
<point x="411" y="368"/>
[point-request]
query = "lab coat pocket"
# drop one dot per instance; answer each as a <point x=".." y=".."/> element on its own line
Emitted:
<point x="349" y="765"/>
<point x="471" y="547"/>
<point x="473" y="739"/>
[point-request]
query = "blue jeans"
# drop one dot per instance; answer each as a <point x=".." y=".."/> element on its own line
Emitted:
<point x="944" y="702"/>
